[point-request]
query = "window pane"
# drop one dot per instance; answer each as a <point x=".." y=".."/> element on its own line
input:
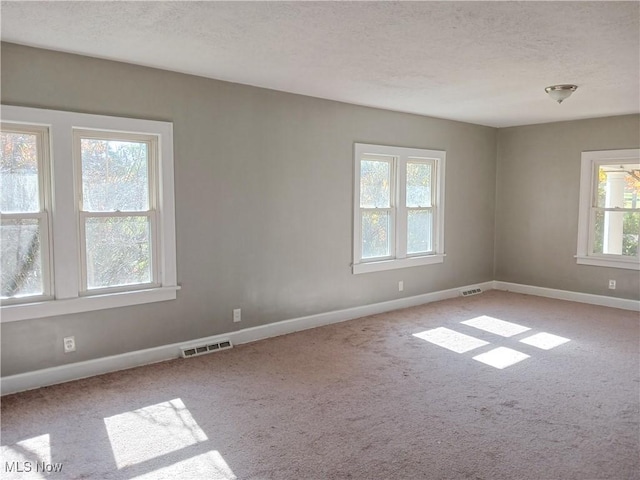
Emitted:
<point x="21" y="263"/>
<point x="118" y="251"/>
<point x="419" y="231"/>
<point x="616" y="233"/>
<point x="375" y="184"/>
<point x="375" y="234"/>
<point x="19" y="173"/>
<point x="619" y="186"/>
<point x="115" y="175"/>
<point x="418" y="185"/>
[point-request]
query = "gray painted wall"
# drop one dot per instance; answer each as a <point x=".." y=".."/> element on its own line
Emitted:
<point x="538" y="180"/>
<point x="263" y="203"/>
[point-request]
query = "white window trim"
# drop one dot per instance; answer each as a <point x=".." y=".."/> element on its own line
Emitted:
<point x="401" y="260"/>
<point x="64" y="222"/>
<point x="587" y="185"/>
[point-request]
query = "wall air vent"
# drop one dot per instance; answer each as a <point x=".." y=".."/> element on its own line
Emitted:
<point x="194" y="351"/>
<point x="471" y="291"/>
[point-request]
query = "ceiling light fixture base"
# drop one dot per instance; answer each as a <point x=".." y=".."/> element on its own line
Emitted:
<point x="560" y="92"/>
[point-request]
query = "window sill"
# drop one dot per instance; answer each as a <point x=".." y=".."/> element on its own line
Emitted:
<point x="613" y="262"/>
<point x="368" y="267"/>
<point x="51" y="308"/>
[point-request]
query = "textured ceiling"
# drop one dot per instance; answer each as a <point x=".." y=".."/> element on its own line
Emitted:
<point x="479" y="62"/>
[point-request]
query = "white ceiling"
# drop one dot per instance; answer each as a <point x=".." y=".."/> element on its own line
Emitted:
<point x="481" y="62"/>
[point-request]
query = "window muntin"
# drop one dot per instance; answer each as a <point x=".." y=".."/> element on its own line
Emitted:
<point x="398" y="218"/>
<point x="117" y="214"/>
<point x="24" y="204"/>
<point x="609" y="215"/>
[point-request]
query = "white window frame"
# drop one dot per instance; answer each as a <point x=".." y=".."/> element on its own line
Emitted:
<point x="398" y="258"/>
<point x="44" y="215"/>
<point x="67" y="292"/>
<point x="151" y="213"/>
<point x="590" y="162"/>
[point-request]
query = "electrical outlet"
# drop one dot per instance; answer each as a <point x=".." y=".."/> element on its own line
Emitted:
<point x="237" y="315"/>
<point x="69" y="344"/>
<point x="612" y="284"/>
<point x="400" y="286"/>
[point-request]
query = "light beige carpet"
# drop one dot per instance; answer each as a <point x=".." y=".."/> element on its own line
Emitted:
<point x="412" y="394"/>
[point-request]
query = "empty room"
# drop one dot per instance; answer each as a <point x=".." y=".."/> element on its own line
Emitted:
<point x="320" y="240"/>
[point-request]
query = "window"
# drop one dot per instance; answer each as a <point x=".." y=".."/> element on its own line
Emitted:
<point x="609" y="219"/>
<point x="117" y="209"/>
<point x="87" y="212"/>
<point x="399" y="207"/>
<point x="25" y="207"/>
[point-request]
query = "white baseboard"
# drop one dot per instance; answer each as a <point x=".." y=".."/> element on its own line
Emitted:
<point x="98" y="366"/>
<point x="89" y="368"/>
<point x="623" y="303"/>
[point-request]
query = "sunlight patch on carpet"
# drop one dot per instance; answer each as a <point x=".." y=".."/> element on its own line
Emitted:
<point x="451" y="340"/>
<point x="496" y="326"/>
<point x="151" y="432"/>
<point x="25" y="457"/>
<point x="209" y="465"/>
<point x="501" y="357"/>
<point x="545" y="341"/>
